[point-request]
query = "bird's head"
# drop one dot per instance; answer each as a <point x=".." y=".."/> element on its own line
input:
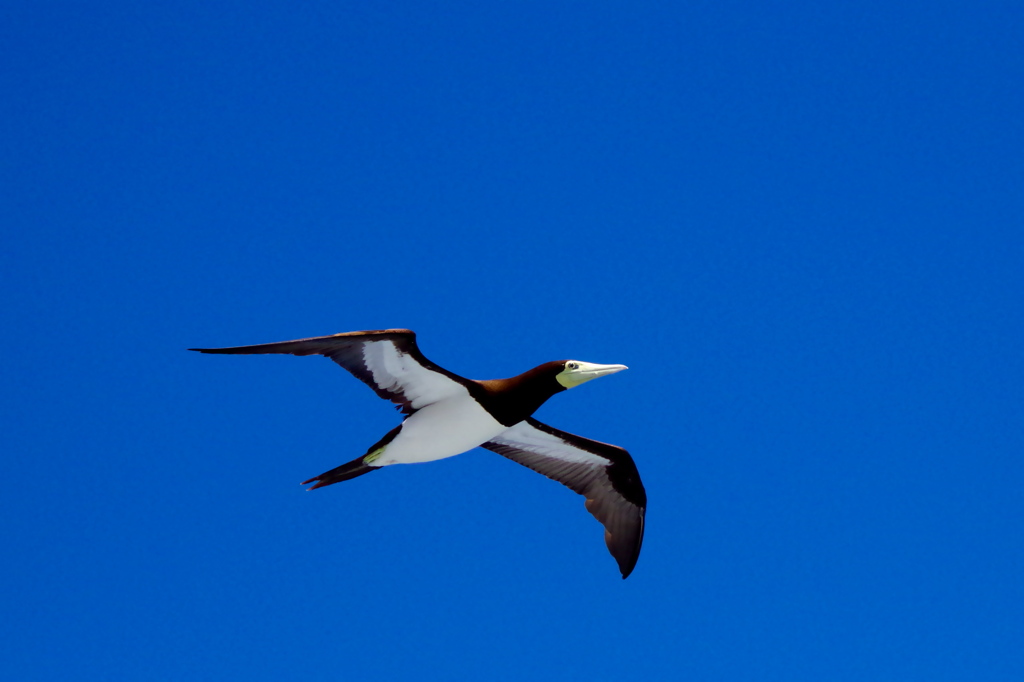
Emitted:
<point x="576" y="372"/>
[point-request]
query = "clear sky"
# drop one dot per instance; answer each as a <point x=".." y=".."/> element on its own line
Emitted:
<point x="800" y="224"/>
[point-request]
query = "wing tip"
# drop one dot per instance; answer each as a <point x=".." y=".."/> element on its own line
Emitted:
<point x="625" y="549"/>
<point x="277" y="346"/>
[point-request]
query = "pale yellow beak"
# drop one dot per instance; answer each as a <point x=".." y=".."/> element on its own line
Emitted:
<point x="576" y="372"/>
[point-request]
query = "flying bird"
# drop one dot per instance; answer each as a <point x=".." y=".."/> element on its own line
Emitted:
<point x="446" y="415"/>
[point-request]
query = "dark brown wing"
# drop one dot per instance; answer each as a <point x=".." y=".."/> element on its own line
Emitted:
<point x="387" y="360"/>
<point x="604" y="474"/>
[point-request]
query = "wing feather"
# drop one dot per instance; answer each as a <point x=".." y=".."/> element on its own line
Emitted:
<point x="386" y="360"/>
<point x="604" y="474"/>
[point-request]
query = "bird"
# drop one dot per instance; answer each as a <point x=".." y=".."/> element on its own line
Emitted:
<point x="447" y="415"/>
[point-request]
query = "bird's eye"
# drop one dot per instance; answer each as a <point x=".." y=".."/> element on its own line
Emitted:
<point x="574" y="365"/>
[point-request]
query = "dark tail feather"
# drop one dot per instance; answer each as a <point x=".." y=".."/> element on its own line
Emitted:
<point x="343" y="473"/>
<point x="356" y="467"/>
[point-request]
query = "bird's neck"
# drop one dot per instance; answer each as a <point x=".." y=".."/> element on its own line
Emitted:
<point x="513" y="400"/>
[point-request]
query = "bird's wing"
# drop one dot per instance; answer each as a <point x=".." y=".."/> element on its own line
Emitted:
<point x="388" y="361"/>
<point x="604" y="474"/>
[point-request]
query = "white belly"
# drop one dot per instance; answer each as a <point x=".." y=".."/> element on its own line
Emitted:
<point x="443" y="429"/>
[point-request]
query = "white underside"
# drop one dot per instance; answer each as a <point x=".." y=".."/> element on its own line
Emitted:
<point x="443" y="429"/>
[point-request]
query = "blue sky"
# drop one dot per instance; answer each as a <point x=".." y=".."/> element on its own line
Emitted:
<point x="800" y="226"/>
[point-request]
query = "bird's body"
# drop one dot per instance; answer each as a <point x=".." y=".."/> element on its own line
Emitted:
<point x="440" y="430"/>
<point x="447" y="415"/>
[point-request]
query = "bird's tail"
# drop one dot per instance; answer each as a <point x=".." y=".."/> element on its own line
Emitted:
<point x="356" y="467"/>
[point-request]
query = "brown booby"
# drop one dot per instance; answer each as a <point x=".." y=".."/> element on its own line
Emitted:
<point x="446" y="415"/>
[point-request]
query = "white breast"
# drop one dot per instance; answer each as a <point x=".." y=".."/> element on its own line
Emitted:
<point x="443" y="429"/>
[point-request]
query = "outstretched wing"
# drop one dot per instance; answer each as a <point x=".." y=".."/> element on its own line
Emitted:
<point x="604" y="474"/>
<point x="387" y="360"/>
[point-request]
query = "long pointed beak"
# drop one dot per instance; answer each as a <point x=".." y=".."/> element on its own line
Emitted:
<point x="593" y="371"/>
